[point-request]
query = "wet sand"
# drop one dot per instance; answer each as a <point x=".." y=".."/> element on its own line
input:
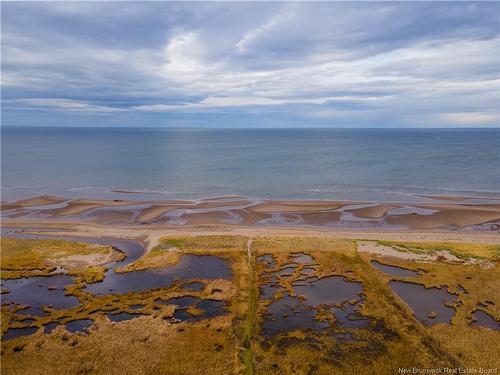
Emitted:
<point x="240" y="211"/>
<point x="79" y="206"/>
<point x="297" y="206"/>
<point x="373" y="212"/>
<point x="218" y="203"/>
<point x="154" y="212"/>
<point x="449" y="215"/>
<point x="455" y="198"/>
<point x="35" y="201"/>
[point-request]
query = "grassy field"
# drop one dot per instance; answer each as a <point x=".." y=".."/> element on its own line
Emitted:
<point x="235" y="343"/>
<point x="26" y="257"/>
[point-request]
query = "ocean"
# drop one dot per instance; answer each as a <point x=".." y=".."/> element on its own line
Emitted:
<point x="166" y="163"/>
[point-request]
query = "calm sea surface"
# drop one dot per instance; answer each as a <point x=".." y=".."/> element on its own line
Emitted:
<point x="293" y="163"/>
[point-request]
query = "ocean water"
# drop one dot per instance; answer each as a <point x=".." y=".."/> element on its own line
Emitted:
<point x="357" y="164"/>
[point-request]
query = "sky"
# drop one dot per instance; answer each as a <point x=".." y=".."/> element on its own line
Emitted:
<point x="251" y="64"/>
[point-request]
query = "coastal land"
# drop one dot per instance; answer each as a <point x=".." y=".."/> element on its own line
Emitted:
<point x="233" y="285"/>
<point x="426" y="213"/>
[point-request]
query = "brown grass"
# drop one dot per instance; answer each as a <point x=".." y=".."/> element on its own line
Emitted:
<point x="144" y="345"/>
<point x="395" y="339"/>
<point x="152" y="344"/>
<point x="30" y="257"/>
<point x="158" y="257"/>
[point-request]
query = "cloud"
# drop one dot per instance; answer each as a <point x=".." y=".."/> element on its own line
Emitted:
<point x="372" y="63"/>
<point x="244" y="101"/>
<point x="63" y="105"/>
<point x="470" y="118"/>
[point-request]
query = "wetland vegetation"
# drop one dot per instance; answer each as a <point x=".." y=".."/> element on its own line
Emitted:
<point x="222" y="304"/>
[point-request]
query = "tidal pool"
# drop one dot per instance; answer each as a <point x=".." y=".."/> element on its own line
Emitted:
<point x="120" y="317"/>
<point x="185" y="316"/>
<point x="267" y="259"/>
<point x="189" y="267"/>
<point x="428" y="304"/>
<point x="347" y="316"/>
<point x="12" y="333"/>
<point x="329" y="290"/>
<point x="289" y="313"/>
<point x="302" y="258"/>
<point x="299" y="311"/>
<point x="483" y="319"/>
<point x="195" y="286"/>
<point x="79" y="325"/>
<point x="39" y="291"/>
<point x="394" y="270"/>
<point x="181" y="302"/>
<point x="307" y="271"/>
<point x="36" y="292"/>
<point x="267" y="291"/>
<point x="48" y="328"/>
<point x="286" y="271"/>
<point x="209" y="309"/>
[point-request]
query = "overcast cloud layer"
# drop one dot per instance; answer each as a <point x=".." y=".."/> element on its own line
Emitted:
<point x="348" y="64"/>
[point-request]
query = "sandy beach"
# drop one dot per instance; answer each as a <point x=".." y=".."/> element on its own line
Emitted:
<point x="447" y="215"/>
<point x="150" y="234"/>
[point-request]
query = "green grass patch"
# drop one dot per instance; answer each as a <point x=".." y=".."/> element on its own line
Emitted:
<point x="205" y="242"/>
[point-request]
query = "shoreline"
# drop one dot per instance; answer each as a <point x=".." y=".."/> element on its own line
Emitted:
<point x="149" y="235"/>
<point x="466" y="215"/>
<point x="382" y="195"/>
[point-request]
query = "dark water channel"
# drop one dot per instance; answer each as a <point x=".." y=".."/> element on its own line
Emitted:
<point x="35" y="292"/>
<point x="394" y="270"/>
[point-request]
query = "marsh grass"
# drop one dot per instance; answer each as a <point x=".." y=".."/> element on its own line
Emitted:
<point x="233" y="343"/>
<point x="144" y="345"/>
<point x="90" y="274"/>
<point x="148" y="344"/>
<point x="158" y="257"/>
<point x="394" y="339"/>
<point x="476" y="288"/>
<point x="35" y="257"/>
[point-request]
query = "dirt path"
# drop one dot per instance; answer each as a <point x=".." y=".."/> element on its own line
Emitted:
<point x="249" y="250"/>
<point x="251" y="314"/>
